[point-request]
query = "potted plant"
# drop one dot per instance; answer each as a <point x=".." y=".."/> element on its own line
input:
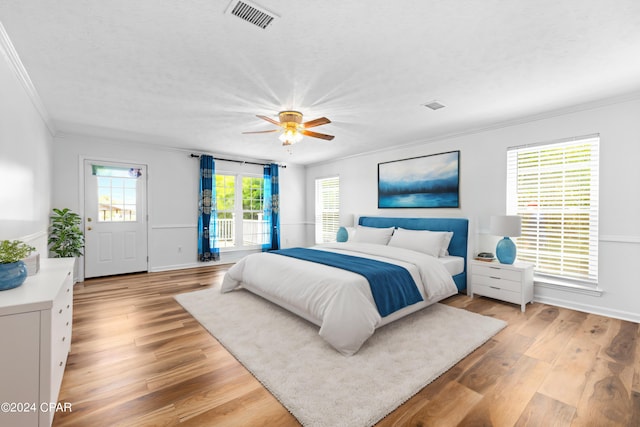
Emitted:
<point x="65" y="236"/>
<point x="13" y="271"/>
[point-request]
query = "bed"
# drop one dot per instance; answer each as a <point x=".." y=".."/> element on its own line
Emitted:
<point x="345" y="304"/>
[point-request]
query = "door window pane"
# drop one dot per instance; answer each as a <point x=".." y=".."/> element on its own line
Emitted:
<point x="117" y="193"/>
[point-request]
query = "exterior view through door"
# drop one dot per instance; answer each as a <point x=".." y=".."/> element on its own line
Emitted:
<point x="115" y="224"/>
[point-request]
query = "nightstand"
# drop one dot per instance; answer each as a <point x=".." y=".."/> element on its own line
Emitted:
<point x="507" y="282"/>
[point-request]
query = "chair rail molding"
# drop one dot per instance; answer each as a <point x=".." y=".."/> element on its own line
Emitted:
<point x="619" y="238"/>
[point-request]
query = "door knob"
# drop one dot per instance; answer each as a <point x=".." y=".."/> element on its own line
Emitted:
<point x="88" y="228"/>
<point x="89" y="220"/>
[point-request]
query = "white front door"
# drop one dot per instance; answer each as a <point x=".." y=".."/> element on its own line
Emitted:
<point x="115" y="224"/>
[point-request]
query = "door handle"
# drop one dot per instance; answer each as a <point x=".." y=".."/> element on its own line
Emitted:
<point x="88" y="228"/>
<point x="89" y="220"/>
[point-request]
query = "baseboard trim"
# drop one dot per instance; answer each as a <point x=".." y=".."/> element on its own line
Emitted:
<point x="586" y="308"/>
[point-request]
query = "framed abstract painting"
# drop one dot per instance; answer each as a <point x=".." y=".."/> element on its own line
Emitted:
<point x="420" y="182"/>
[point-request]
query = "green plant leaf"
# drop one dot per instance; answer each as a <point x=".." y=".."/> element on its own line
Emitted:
<point x="65" y="235"/>
<point x="14" y="251"/>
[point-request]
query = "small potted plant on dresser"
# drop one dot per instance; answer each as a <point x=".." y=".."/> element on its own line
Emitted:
<point x="13" y="271"/>
<point x="65" y="236"/>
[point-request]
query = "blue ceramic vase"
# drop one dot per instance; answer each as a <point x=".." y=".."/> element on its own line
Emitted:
<point x="506" y="251"/>
<point x="12" y="275"/>
<point x="343" y="235"/>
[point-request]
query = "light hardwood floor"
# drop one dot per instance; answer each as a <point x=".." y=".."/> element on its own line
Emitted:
<point x="138" y="359"/>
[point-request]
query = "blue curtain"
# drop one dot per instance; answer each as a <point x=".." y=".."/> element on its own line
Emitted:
<point x="271" y="207"/>
<point x="207" y="217"/>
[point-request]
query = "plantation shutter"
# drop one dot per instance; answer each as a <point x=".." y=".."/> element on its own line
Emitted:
<point x="554" y="188"/>
<point x="327" y="209"/>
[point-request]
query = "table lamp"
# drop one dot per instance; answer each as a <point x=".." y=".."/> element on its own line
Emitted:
<point x="506" y="226"/>
<point x="343" y="233"/>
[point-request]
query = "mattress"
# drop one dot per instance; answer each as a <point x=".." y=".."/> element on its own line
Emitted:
<point x="453" y="264"/>
<point x="339" y="301"/>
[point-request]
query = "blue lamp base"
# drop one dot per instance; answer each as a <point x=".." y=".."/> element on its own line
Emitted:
<point x="342" y="235"/>
<point x="506" y="251"/>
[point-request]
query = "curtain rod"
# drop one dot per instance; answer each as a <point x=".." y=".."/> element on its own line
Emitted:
<point x="237" y="161"/>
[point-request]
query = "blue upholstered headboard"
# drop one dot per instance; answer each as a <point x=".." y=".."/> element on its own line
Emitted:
<point x="457" y="247"/>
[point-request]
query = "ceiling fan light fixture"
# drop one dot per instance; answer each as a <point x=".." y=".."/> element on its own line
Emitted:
<point x="290" y="135"/>
<point x="293" y="129"/>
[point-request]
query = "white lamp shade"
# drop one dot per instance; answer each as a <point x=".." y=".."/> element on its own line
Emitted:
<point x="506" y="225"/>
<point x="347" y="220"/>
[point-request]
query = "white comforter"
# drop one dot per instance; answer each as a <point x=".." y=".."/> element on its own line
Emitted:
<point x="347" y="315"/>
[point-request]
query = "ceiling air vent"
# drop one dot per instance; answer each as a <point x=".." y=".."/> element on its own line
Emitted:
<point x="251" y="13"/>
<point x="434" y="105"/>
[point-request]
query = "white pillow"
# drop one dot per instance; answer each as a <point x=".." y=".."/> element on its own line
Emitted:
<point x="379" y="236"/>
<point x="351" y="231"/>
<point x="424" y="241"/>
<point x="448" y="235"/>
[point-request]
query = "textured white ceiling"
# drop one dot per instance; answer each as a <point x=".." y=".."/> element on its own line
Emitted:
<point x="182" y="73"/>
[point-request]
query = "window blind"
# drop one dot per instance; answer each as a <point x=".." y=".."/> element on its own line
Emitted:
<point x="327" y="209"/>
<point x="554" y="188"/>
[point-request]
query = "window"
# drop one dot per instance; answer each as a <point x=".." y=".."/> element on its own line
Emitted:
<point x="254" y="229"/>
<point x="327" y="209"/>
<point x="240" y="214"/>
<point x="226" y="205"/>
<point x="554" y="188"/>
<point x="117" y="187"/>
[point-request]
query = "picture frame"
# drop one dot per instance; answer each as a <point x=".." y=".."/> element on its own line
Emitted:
<point x="431" y="181"/>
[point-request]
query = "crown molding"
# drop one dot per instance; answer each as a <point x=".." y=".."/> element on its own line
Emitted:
<point x="591" y="105"/>
<point x="74" y="131"/>
<point x="12" y="58"/>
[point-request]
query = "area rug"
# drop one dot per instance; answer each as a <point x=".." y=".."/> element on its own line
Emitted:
<point x="318" y="385"/>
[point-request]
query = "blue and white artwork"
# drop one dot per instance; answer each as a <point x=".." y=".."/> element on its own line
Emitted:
<point x="420" y="182"/>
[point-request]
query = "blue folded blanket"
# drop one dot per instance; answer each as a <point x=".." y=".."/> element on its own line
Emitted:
<point x="391" y="285"/>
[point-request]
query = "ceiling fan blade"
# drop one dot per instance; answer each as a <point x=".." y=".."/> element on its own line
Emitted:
<point x="317" y="135"/>
<point x="264" y="131"/>
<point x="316" y="122"/>
<point x="269" y="119"/>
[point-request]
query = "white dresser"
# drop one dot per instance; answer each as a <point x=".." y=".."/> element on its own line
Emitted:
<point x="35" y="331"/>
<point x="507" y="282"/>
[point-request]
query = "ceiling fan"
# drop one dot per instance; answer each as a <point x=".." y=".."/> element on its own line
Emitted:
<point x="293" y="128"/>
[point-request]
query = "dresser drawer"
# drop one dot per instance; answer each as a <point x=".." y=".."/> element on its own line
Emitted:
<point x="61" y="323"/>
<point x="497" y="272"/>
<point x="59" y="353"/>
<point x="62" y="317"/>
<point x="43" y="309"/>
<point x="496" y="282"/>
<point x="497" y="293"/>
<point x="512" y="283"/>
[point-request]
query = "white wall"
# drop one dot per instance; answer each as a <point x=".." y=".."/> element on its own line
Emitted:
<point x="483" y="193"/>
<point x="172" y="194"/>
<point x="25" y="150"/>
<point x="30" y="184"/>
